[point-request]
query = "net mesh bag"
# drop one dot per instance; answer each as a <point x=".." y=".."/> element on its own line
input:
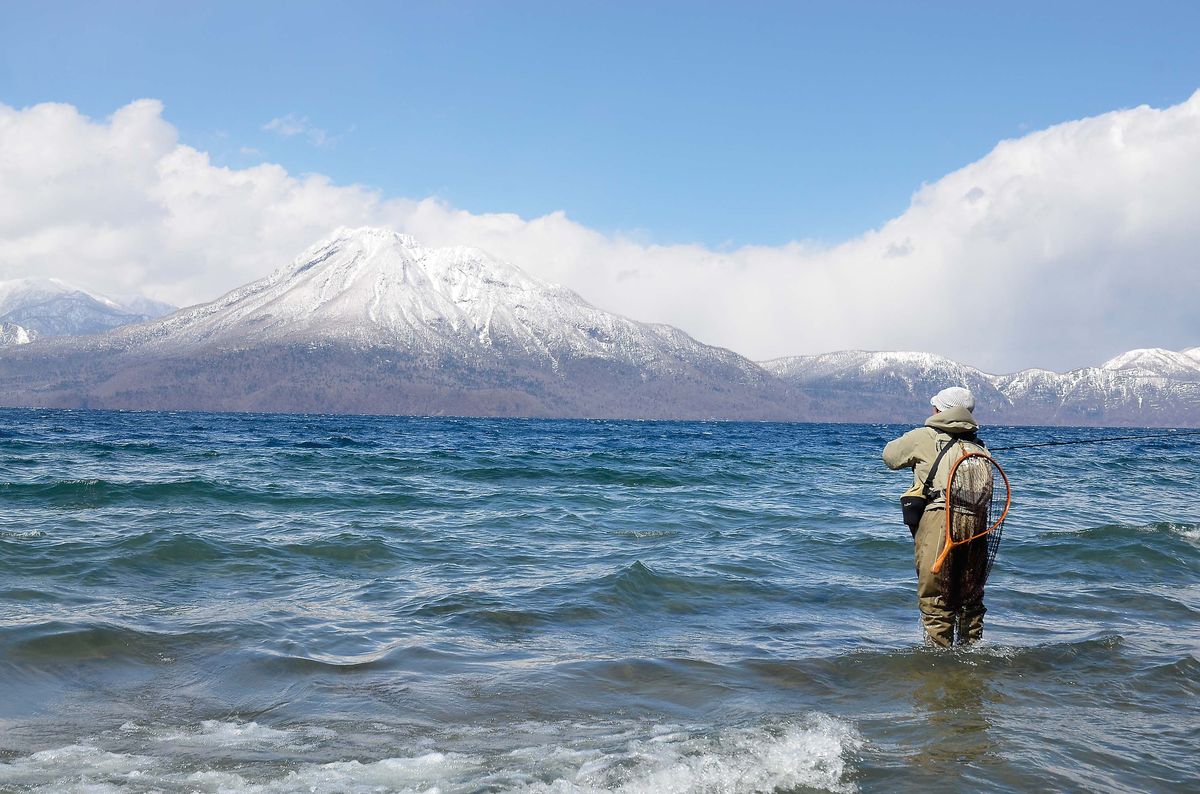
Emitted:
<point x="977" y="501"/>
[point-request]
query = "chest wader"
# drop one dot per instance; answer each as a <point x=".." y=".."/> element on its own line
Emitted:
<point x="941" y="621"/>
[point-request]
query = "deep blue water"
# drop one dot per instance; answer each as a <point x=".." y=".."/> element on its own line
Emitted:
<point x="194" y="602"/>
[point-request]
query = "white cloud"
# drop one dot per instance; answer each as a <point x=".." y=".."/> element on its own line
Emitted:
<point x="1057" y="249"/>
<point x="291" y="125"/>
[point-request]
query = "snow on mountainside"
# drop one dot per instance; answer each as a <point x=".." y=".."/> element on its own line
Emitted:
<point x="375" y="288"/>
<point x="371" y="321"/>
<point x="909" y="367"/>
<point x="1148" y="386"/>
<point x="13" y="334"/>
<point x="52" y="307"/>
<point x="1155" y="362"/>
<point x="863" y="382"/>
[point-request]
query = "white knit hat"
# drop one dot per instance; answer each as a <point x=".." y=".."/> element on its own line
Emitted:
<point x="953" y="397"/>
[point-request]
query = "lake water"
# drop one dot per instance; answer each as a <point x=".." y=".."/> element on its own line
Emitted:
<point x="201" y="602"/>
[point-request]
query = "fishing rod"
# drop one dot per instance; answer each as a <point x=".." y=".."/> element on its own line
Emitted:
<point x="1173" y="434"/>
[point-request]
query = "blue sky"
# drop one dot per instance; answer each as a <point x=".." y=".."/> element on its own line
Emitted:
<point x="725" y="124"/>
<point x="661" y="159"/>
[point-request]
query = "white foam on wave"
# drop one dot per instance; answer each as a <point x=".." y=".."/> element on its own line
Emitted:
<point x="422" y="774"/>
<point x="627" y="757"/>
<point x="89" y="770"/>
<point x="75" y="769"/>
<point x="1189" y="532"/>
<point x="428" y="773"/>
<point x="230" y="734"/>
<point x="811" y="754"/>
<point x="28" y="534"/>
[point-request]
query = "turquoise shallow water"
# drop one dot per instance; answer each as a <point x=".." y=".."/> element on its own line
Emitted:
<point x="194" y="602"/>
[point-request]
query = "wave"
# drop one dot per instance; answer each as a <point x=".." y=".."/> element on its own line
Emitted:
<point x="572" y="473"/>
<point x="71" y="643"/>
<point x="158" y="548"/>
<point x="634" y="589"/>
<point x="491" y="611"/>
<point x="1136" y="532"/>
<point x="347" y="547"/>
<point x="191" y="494"/>
<point x="387" y="658"/>
<point x="1106" y="656"/>
<point x="97" y="492"/>
<point x="336" y="442"/>
<point x="157" y="551"/>
<point x="814" y="752"/>
<point x="1112" y="552"/>
<point x="642" y="587"/>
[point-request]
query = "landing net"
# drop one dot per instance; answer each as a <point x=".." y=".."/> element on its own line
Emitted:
<point x="977" y="501"/>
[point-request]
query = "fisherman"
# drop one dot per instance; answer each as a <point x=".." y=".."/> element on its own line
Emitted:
<point x="930" y="451"/>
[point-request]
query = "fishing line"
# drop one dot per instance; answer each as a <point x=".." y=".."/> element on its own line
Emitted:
<point x="1098" y="440"/>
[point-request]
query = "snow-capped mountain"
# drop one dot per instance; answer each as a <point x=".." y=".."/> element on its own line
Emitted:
<point x="374" y="288"/>
<point x="858" y="383"/>
<point x="1147" y="386"/>
<point x="1154" y="362"/>
<point x="52" y="307"/>
<point x="370" y="320"/>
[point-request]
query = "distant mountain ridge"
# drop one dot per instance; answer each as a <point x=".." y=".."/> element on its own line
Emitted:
<point x="371" y="321"/>
<point x="47" y="308"/>
<point x="1145" y="386"/>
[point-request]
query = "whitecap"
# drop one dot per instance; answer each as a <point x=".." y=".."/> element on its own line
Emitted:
<point x="814" y="753"/>
<point x="1189" y="532"/>
<point x="216" y="733"/>
<point x="219" y="733"/>
<point x="630" y="757"/>
<point x="74" y="769"/>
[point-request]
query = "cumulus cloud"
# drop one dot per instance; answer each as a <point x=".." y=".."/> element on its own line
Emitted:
<point x="1057" y="249"/>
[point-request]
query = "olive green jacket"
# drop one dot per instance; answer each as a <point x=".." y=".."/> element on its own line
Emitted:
<point x="917" y="449"/>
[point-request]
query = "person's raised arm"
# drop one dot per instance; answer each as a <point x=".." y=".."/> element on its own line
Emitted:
<point x="899" y="453"/>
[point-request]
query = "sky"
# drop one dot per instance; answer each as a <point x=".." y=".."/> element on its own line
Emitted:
<point x="777" y="178"/>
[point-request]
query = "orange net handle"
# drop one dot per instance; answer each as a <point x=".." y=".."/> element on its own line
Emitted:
<point x="950" y="542"/>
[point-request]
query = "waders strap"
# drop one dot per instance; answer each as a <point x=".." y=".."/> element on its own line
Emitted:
<point x="970" y="438"/>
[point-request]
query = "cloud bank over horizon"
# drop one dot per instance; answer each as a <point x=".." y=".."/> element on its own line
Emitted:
<point x="1057" y="249"/>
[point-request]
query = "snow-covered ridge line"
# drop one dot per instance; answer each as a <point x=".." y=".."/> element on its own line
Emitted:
<point x="1153" y="362"/>
<point x="51" y="307"/>
<point x="1145" y="385"/>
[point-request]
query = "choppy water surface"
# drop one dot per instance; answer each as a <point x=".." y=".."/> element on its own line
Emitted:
<point x="199" y="602"/>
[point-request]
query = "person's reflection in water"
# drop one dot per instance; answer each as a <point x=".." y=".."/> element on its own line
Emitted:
<point x="956" y="697"/>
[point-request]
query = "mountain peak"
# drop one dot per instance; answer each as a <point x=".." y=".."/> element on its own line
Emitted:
<point x="1153" y="360"/>
<point x="355" y="244"/>
<point x="371" y="234"/>
<point x="376" y="287"/>
<point x="361" y="240"/>
<point x="50" y="307"/>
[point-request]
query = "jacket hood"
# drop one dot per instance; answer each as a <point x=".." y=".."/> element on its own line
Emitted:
<point x="953" y="420"/>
